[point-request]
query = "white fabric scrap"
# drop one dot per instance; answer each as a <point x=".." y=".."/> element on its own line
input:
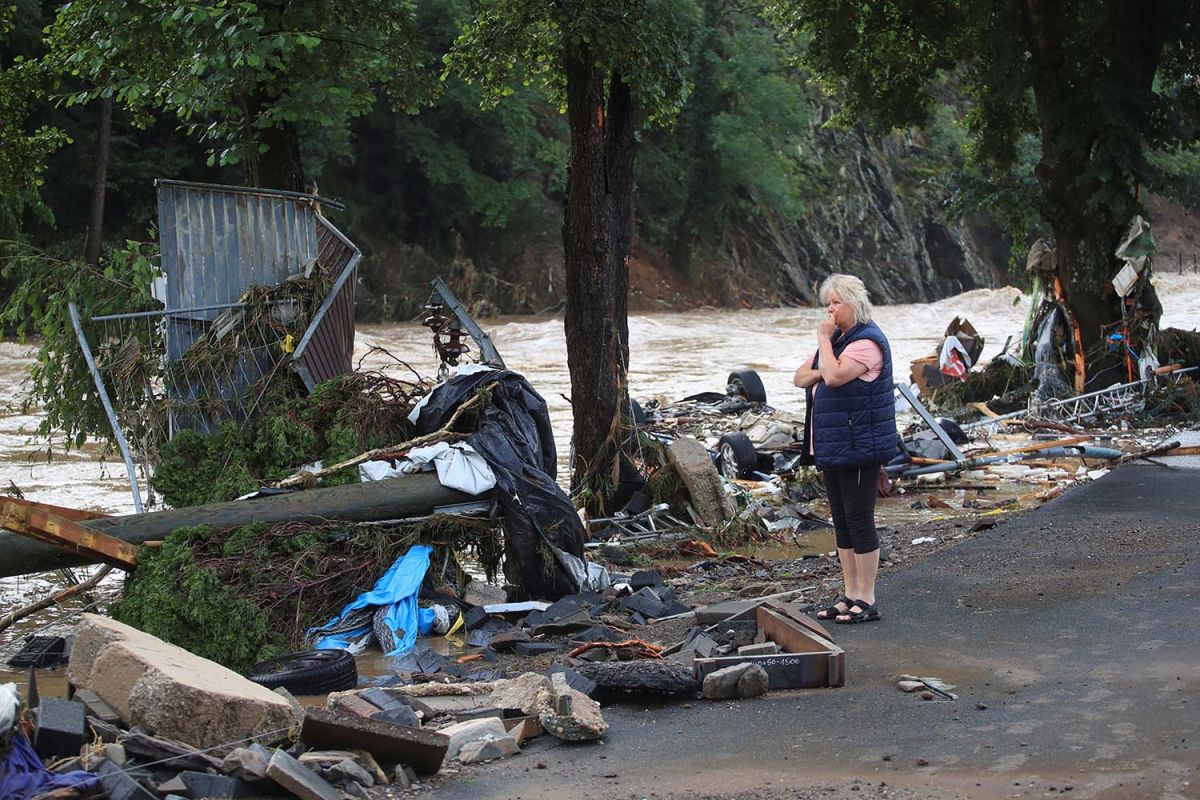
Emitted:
<point x="10" y="704"/>
<point x="458" y="466"/>
<point x="924" y="540"/>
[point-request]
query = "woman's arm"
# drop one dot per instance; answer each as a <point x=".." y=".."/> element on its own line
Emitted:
<point x="834" y="371"/>
<point x="806" y="376"/>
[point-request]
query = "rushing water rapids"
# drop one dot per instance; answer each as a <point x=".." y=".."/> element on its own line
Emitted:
<point x="672" y="355"/>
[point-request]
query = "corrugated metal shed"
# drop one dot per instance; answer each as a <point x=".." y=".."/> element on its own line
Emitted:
<point x="217" y="241"/>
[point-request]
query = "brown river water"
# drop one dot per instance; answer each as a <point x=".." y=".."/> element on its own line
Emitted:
<point x="672" y="355"/>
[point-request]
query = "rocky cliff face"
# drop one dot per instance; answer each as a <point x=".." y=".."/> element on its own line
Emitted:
<point x="875" y="216"/>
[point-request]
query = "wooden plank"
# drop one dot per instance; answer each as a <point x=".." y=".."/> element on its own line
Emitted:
<point x="34" y="522"/>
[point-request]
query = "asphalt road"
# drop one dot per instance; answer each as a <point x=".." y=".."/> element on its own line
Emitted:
<point x="1071" y="633"/>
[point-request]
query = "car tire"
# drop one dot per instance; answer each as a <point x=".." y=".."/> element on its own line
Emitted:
<point x="746" y="383"/>
<point x="310" y="672"/>
<point x="736" y="456"/>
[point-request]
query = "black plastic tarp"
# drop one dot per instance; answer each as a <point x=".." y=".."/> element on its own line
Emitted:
<point x="516" y="440"/>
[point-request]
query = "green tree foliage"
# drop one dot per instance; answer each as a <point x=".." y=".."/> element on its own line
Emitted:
<point x="38" y="305"/>
<point x="737" y="149"/>
<point x="1099" y="83"/>
<point x="248" y="79"/>
<point x="25" y="144"/>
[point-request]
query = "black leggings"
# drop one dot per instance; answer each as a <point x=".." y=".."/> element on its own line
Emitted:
<point x="852" y="495"/>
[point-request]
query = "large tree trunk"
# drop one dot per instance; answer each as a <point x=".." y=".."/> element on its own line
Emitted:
<point x="597" y="226"/>
<point x="95" y="234"/>
<point x="1092" y="148"/>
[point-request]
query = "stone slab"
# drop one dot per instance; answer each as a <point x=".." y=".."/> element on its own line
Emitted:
<point x="420" y="749"/>
<point x="299" y="779"/>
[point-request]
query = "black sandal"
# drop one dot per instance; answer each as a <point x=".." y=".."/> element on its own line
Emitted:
<point x="866" y="613"/>
<point x="833" y="612"/>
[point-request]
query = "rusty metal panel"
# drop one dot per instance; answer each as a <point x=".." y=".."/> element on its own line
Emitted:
<point x="327" y="347"/>
<point x="219" y="240"/>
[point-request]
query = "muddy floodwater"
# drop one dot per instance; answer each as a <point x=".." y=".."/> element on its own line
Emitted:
<point x="672" y="355"/>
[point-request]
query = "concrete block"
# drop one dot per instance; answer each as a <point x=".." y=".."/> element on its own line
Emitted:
<point x="520" y="693"/>
<point x="299" y="779"/>
<point x="568" y="714"/>
<point x="423" y="750"/>
<point x="764" y="649"/>
<point x="60" y="728"/>
<point x="167" y="691"/>
<point x="691" y="460"/>
<point x="472" y="730"/>
<point x="488" y="750"/>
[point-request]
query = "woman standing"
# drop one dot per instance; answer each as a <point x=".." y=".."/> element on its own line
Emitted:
<point x="850" y="432"/>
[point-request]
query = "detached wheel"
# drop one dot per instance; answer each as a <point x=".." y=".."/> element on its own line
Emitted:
<point x="746" y="383"/>
<point x="311" y="672"/>
<point x="736" y="456"/>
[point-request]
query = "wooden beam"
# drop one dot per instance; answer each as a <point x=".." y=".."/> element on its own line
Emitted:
<point x="34" y="522"/>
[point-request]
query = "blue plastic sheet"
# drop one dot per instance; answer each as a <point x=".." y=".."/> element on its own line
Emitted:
<point x="396" y="592"/>
<point x="22" y="774"/>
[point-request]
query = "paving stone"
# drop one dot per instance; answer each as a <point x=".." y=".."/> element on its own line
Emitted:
<point x="474" y="617"/>
<point x="535" y="618"/>
<point x="645" y="577"/>
<point x="764" y="649"/>
<point x="503" y="642"/>
<point x="96" y="707"/>
<point x="674" y="608"/>
<point x="535" y="648"/>
<point x="61" y="725"/>
<point x="120" y="786"/>
<point x="564" y="607"/>
<point x="202" y="784"/>
<point x="174" y="786"/>
<point x="299" y="779"/>
<point x="400" y="715"/>
<point x="597" y="633"/>
<point x="643" y="604"/>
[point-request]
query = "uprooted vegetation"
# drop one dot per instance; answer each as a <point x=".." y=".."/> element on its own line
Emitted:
<point x="241" y="596"/>
<point x="340" y="419"/>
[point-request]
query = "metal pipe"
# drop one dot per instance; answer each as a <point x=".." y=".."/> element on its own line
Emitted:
<point x="108" y="409"/>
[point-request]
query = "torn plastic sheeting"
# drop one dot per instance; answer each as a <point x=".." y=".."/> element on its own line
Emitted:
<point x="458" y="467"/>
<point x="396" y="592"/>
<point x="22" y="774"/>
<point x="463" y="371"/>
<point x="517" y="441"/>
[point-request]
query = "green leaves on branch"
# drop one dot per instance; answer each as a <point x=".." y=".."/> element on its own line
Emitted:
<point x="230" y="70"/>
<point x="37" y="307"/>
<point x="644" y="42"/>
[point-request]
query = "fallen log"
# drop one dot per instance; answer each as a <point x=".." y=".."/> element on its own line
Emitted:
<point x="394" y="498"/>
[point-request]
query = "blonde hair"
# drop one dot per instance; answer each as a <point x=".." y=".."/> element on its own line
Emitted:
<point x="851" y="291"/>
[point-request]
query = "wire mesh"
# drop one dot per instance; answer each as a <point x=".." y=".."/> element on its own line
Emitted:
<point x="200" y="368"/>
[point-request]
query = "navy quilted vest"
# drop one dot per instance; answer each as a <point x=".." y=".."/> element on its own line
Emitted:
<point x="854" y="425"/>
